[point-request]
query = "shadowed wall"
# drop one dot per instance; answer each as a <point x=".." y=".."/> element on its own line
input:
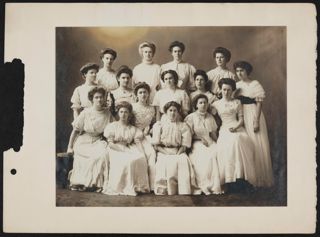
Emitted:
<point x="263" y="47"/>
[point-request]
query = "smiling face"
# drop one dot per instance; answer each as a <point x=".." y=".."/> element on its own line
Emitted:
<point x="202" y="104"/>
<point x="176" y="53"/>
<point x="124" y="80"/>
<point x="221" y="60"/>
<point x="172" y="113"/>
<point x="147" y="54"/>
<point x="142" y="94"/>
<point x="200" y="82"/>
<point x="226" y="91"/>
<point x="123" y="114"/>
<point x="91" y="75"/>
<point x="168" y="80"/>
<point x="241" y="73"/>
<point x="107" y="59"/>
<point x="98" y="100"/>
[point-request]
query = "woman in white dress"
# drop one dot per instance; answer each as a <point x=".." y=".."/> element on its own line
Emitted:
<point x="106" y="76"/>
<point x="127" y="164"/>
<point x="235" y="148"/>
<point x="222" y="56"/>
<point x="147" y="71"/>
<point x="79" y="97"/>
<point x="174" y="173"/>
<point x="124" y="91"/>
<point x="185" y="70"/>
<point x="145" y="115"/>
<point x="251" y="95"/>
<point x="170" y="92"/>
<point x="89" y="149"/>
<point x="203" y="153"/>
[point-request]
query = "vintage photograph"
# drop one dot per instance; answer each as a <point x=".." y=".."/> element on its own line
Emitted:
<point x="171" y="116"/>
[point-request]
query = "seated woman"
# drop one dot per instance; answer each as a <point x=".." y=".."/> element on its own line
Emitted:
<point x="235" y="148"/>
<point x="170" y="92"/>
<point x="144" y="116"/>
<point x="89" y="149"/>
<point x="127" y="164"/>
<point x="79" y="97"/>
<point x="204" y="148"/>
<point x="124" y="92"/>
<point x="174" y="173"/>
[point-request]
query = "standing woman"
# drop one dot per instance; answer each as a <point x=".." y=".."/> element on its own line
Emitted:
<point x="170" y="92"/>
<point x="185" y="70"/>
<point x="79" y="97"/>
<point x="174" y="173"/>
<point x="124" y="91"/>
<point x="222" y="56"/>
<point x="204" y="148"/>
<point x="145" y="116"/>
<point x="89" y="149"/>
<point x="127" y="165"/>
<point x="147" y="71"/>
<point x="251" y="95"/>
<point x="106" y="76"/>
<point x="235" y="148"/>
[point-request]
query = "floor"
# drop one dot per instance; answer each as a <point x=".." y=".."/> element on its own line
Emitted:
<point x="266" y="197"/>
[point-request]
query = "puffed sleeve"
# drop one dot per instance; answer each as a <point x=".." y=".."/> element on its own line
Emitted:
<point x="185" y="102"/>
<point x="186" y="135"/>
<point x="213" y="124"/>
<point x="138" y="136"/>
<point x="258" y="91"/>
<point x="78" y="123"/>
<point x="75" y="99"/>
<point x="239" y="108"/>
<point x="156" y="133"/>
<point x="192" y="85"/>
<point x="109" y="132"/>
<point x="189" y="121"/>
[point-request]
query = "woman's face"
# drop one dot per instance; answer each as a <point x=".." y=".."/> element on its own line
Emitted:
<point x="202" y="104"/>
<point x="226" y="91"/>
<point x="91" y="75"/>
<point x="123" y="114"/>
<point x="200" y="82"/>
<point x="176" y="53"/>
<point x="108" y="59"/>
<point x="169" y="80"/>
<point x="172" y="112"/>
<point x="147" y="54"/>
<point x="241" y="73"/>
<point x="142" y="94"/>
<point x="220" y="59"/>
<point x="124" y="79"/>
<point x="98" y="100"/>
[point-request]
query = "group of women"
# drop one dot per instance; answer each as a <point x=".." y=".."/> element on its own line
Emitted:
<point x="168" y="129"/>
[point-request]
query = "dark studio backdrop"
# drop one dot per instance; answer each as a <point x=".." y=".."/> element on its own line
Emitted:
<point x="263" y="47"/>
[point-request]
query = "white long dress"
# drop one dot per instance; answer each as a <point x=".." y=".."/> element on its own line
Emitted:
<point x="144" y="116"/>
<point x="215" y="75"/>
<point x="90" y="151"/>
<point x="107" y="79"/>
<point x="260" y="139"/>
<point x="174" y="173"/>
<point x="185" y="72"/>
<point x="148" y="73"/>
<point x="235" y="149"/>
<point x="128" y="169"/>
<point x="80" y="98"/>
<point x="203" y="158"/>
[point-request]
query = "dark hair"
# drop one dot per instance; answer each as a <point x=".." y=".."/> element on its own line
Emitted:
<point x="202" y="73"/>
<point x="124" y="69"/>
<point x="88" y="66"/>
<point x="172" y="103"/>
<point x="95" y="90"/>
<point x="198" y="97"/>
<point x="127" y="105"/>
<point x="108" y="51"/>
<point x="224" y="51"/>
<point x="243" y="64"/>
<point x="150" y="45"/>
<point x="112" y="108"/>
<point x="227" y="81"/>
<point x="173" y="73"/>
<point x="177" y="44"/>
<point x="141" y="85"/>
